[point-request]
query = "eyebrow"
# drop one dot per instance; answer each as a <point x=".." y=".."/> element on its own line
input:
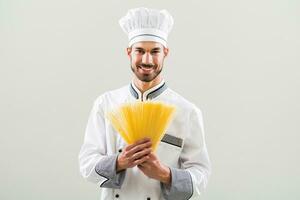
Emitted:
<point x="154" y="49"/>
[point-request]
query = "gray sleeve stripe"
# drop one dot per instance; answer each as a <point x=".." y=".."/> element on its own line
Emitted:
<point x="106" y="168"/>
<point x="170" y="139"/>
<point x="181" y="187"/>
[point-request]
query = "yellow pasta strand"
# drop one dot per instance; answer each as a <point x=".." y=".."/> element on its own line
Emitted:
<point x="138" y="120"/>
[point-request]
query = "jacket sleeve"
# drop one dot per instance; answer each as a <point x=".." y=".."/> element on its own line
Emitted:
<point x="189" y="181"/>
<point x="94" y="163"/>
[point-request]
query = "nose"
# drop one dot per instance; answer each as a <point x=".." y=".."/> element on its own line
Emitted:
<point x="147" y="58"/>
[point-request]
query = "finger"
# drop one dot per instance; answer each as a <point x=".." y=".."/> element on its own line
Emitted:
<point x="141" y="168"/>
<point x="146" y="139"/>
<point x="140" y="154"/>
<point x="141" y="160"/>
<point x="139" y="148"/>
<point x="141" y="141"/>
<point x="153" y="156"/>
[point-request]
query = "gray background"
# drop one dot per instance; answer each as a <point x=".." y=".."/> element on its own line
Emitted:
<point x="237" y="60"/>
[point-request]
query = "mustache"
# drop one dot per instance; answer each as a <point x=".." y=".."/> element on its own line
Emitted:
<point x="146" y="65"/>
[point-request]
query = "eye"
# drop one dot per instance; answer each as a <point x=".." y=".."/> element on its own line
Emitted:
<point x="139" y="51"/>
<point x="155" y="52"/>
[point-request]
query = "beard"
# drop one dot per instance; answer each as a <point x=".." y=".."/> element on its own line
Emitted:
<point x="146" y="77"/>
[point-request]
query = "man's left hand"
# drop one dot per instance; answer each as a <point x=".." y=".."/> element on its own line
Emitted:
<point x="153" y="168"/>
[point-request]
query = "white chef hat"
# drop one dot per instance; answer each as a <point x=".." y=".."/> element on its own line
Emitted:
<point x="144" y="24"/>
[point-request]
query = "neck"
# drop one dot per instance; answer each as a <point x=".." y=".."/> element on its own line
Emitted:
<point x="144" y="86"/>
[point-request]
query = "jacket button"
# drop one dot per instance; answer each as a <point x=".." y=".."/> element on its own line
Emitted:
<point x="148" y="198"/>
<point x="117" y="196"/>
<point x="120" y="150"/>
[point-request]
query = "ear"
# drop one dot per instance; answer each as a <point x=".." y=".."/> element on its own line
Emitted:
<point x="129" y="50"/>
<point x="166" y="51"/>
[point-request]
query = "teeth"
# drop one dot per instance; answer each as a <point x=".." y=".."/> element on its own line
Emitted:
<point x="147" y="69"/>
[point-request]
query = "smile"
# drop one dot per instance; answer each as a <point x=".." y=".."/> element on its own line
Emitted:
<point x="146" y="69"/>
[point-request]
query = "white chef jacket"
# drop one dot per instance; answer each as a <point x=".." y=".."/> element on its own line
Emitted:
<point x="182" y="149"/>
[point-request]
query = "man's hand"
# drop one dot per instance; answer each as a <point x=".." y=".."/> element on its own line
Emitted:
<point x="134" y="154"/>
<point x="153" y="168"/>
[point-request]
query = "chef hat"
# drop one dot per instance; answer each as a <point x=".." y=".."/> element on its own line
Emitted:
<point x="144" y="24"/>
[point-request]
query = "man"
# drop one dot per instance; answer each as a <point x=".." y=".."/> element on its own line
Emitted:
<point x="180" y="167"/>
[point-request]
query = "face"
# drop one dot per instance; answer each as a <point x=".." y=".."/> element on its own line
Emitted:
<point x="147" y="59"/>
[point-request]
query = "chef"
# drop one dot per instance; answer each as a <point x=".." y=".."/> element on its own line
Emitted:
<point x="180" y="167"/>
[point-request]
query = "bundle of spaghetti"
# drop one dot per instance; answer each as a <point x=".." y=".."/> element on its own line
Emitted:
<point x="142" y="119"/>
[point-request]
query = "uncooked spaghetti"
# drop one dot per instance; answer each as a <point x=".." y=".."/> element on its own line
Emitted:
<point x="138" y="120"/>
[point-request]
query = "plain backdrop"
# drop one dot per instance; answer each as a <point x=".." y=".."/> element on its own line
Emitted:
<point x="238" y="61"/>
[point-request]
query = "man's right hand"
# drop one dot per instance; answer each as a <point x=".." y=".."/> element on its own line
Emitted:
<point x="134" y="154"/>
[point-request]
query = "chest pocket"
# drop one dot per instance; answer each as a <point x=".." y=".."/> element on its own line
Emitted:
<point x="169" y="150"/>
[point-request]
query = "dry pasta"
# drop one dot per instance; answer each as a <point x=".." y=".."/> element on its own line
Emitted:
<point x="134" y="121"/>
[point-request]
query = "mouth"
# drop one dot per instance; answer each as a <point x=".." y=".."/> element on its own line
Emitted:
<point x="146" y="69"/>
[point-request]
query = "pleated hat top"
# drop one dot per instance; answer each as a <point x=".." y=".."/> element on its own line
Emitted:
<point x="144" y="24"/>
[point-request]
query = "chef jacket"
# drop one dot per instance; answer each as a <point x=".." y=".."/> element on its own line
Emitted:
<point x="182" y="149"/>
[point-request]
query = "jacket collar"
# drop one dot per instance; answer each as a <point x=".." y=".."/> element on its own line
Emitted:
<point x="148" y="94"/>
